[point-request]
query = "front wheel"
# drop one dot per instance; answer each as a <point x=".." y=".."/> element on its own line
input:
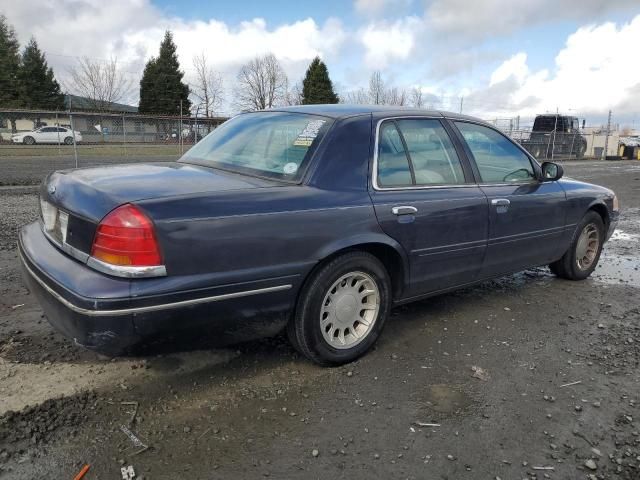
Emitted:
<point x="342" y="309"/>
<point x="29" y="140"/>
<point x="581" y="258"/>
<point x="68" y="141"/>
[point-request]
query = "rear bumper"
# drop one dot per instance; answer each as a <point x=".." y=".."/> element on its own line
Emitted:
<point x="98" y="312"/>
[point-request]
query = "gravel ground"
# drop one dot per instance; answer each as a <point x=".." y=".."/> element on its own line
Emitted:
<point x="526" y="376"/>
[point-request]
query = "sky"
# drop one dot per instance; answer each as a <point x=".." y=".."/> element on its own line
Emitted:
<point x="503" y="58"/>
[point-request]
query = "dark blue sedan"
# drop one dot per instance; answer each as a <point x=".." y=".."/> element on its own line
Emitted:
<point x="316" y="219"/>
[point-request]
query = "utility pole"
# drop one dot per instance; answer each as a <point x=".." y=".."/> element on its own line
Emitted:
<point x="461" y="100"/>
<point x="606" y="138"/>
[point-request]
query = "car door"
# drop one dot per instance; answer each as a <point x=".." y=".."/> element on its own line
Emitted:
<point x="526" y="214"/>
<point x="47" y="135"/>
<point x="425" y="198"/>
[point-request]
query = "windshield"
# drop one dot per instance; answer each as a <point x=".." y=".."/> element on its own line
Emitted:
<point x="269" y="144"/>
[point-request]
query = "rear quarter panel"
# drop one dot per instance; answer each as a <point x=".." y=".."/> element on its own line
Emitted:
<point x="278" y="233"/>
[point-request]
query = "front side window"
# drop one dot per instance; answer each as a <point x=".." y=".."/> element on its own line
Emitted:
<point x="416" y="152"/>
<point x="271" y="144"/>
<point x="498" y="159"/>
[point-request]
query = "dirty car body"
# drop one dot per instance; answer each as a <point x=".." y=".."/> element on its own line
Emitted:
<point x="237" y="245"/>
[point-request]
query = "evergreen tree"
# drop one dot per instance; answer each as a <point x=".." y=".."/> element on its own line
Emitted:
<point x="161" y="86"/>
<point x="317" y="86"/>
<point x="38" y="86"/>
<point x="9" y="65"/>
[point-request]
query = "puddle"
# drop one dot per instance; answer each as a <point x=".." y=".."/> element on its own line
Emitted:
<point x="445" y="399"/>
<point x="617" y="269"/>
<point x="624" y="236"/>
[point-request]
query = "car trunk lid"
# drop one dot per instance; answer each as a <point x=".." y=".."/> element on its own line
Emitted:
<point x="74" y="201"/>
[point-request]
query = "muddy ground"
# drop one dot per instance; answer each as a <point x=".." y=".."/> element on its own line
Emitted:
<point x="558" y="394"/>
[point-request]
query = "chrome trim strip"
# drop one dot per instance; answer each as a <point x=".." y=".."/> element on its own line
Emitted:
<point x="65" y="247"/>
<point x="150" y="308"/>
<point x="126" y="271"/>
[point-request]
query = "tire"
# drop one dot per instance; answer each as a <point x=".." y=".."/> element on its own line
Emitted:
<point x="343" y="281"/>
<point x="582" y="148"/>
<point x="29" y="141"/>
<point x="68" y="141"/>
<point x="570" y="266"/>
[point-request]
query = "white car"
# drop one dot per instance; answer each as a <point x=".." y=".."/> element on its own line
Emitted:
<point x="47" y="135"/>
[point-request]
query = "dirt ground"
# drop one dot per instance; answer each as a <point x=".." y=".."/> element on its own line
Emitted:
<point x="527" y="376"/>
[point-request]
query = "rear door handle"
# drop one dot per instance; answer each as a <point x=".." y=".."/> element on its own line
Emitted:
<point x="404" y="210"/>
<point x="501" y="204"/>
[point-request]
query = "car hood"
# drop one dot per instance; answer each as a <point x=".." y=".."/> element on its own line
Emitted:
<point x="93" y="192"/>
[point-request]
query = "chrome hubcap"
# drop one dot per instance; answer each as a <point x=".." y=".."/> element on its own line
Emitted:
<point x="349" y="310"/>
<point x="587" y="248"/>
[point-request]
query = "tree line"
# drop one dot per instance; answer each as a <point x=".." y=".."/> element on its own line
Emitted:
<point x="27" y="81"/>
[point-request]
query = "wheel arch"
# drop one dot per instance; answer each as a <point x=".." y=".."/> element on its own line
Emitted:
<point x="388" y="251"/>
<point x="602" y="210"/>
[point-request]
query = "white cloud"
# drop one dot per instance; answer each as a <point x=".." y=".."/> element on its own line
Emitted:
<point x="66" y="29"/>
<point x="595" y="71"/>
<point x="374" y="8"/>
<point x="466" y="20"/>
<point x="385" y="42"/>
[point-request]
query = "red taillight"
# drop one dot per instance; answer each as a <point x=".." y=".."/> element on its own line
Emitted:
<point x="126" y="237"/>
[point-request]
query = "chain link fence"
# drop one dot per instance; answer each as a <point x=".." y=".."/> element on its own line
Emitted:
<point x="35" y="143"/>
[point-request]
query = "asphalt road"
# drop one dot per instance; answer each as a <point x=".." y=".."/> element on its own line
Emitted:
<point x="557" y="394"/>
<point x="31" y="169"/>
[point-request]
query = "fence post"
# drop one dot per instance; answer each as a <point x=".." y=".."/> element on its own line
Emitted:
<point x="73" y="135"/>
<point x="180" y="132"/>
<point x="124" y="136"/>
<point x="57" y="128"/>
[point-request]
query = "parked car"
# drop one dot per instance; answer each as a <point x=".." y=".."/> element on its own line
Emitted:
<point x="553" y="135"/>
<point x="47" y="135"/>
<point x="317" y="219"/>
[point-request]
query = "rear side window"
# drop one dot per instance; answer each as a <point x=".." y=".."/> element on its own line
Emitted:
<point x="416" y="152"/>
<point x="497" y="158"/>
<point x="393" y="164"/>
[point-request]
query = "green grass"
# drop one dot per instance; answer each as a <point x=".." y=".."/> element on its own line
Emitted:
<point x="106" y="150"/>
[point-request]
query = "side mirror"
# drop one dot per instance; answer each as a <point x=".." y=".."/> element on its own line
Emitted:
<point x="551" y="171"/>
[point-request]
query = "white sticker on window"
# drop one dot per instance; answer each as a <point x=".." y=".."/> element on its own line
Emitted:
<point x="309" y="134"/>
<point x="290" y="168"/>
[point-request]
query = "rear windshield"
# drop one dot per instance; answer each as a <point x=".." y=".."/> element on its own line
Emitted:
<point x="268" y="144"/>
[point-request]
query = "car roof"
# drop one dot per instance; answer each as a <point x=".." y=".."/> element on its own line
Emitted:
<point x="341" y="110"/>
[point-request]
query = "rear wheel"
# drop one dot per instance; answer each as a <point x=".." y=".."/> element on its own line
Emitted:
<point x="342" y="309"/>
<point x="29" y="140"/>
<point x="584" y="252"/>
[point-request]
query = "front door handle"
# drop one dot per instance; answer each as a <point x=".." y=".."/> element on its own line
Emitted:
<point x="404" y="210"/>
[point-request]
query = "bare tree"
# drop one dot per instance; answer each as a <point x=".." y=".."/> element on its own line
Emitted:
<point x="294" y="95"/>
<point x="101" y="82"/>
<point x="395" y="96"/>
<point x="376" y="89"/>
<point x="357" y="97"/>
<point x="208" y="88"/>
<point x="262" y="84"/>
<point x="417" y="99"/>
